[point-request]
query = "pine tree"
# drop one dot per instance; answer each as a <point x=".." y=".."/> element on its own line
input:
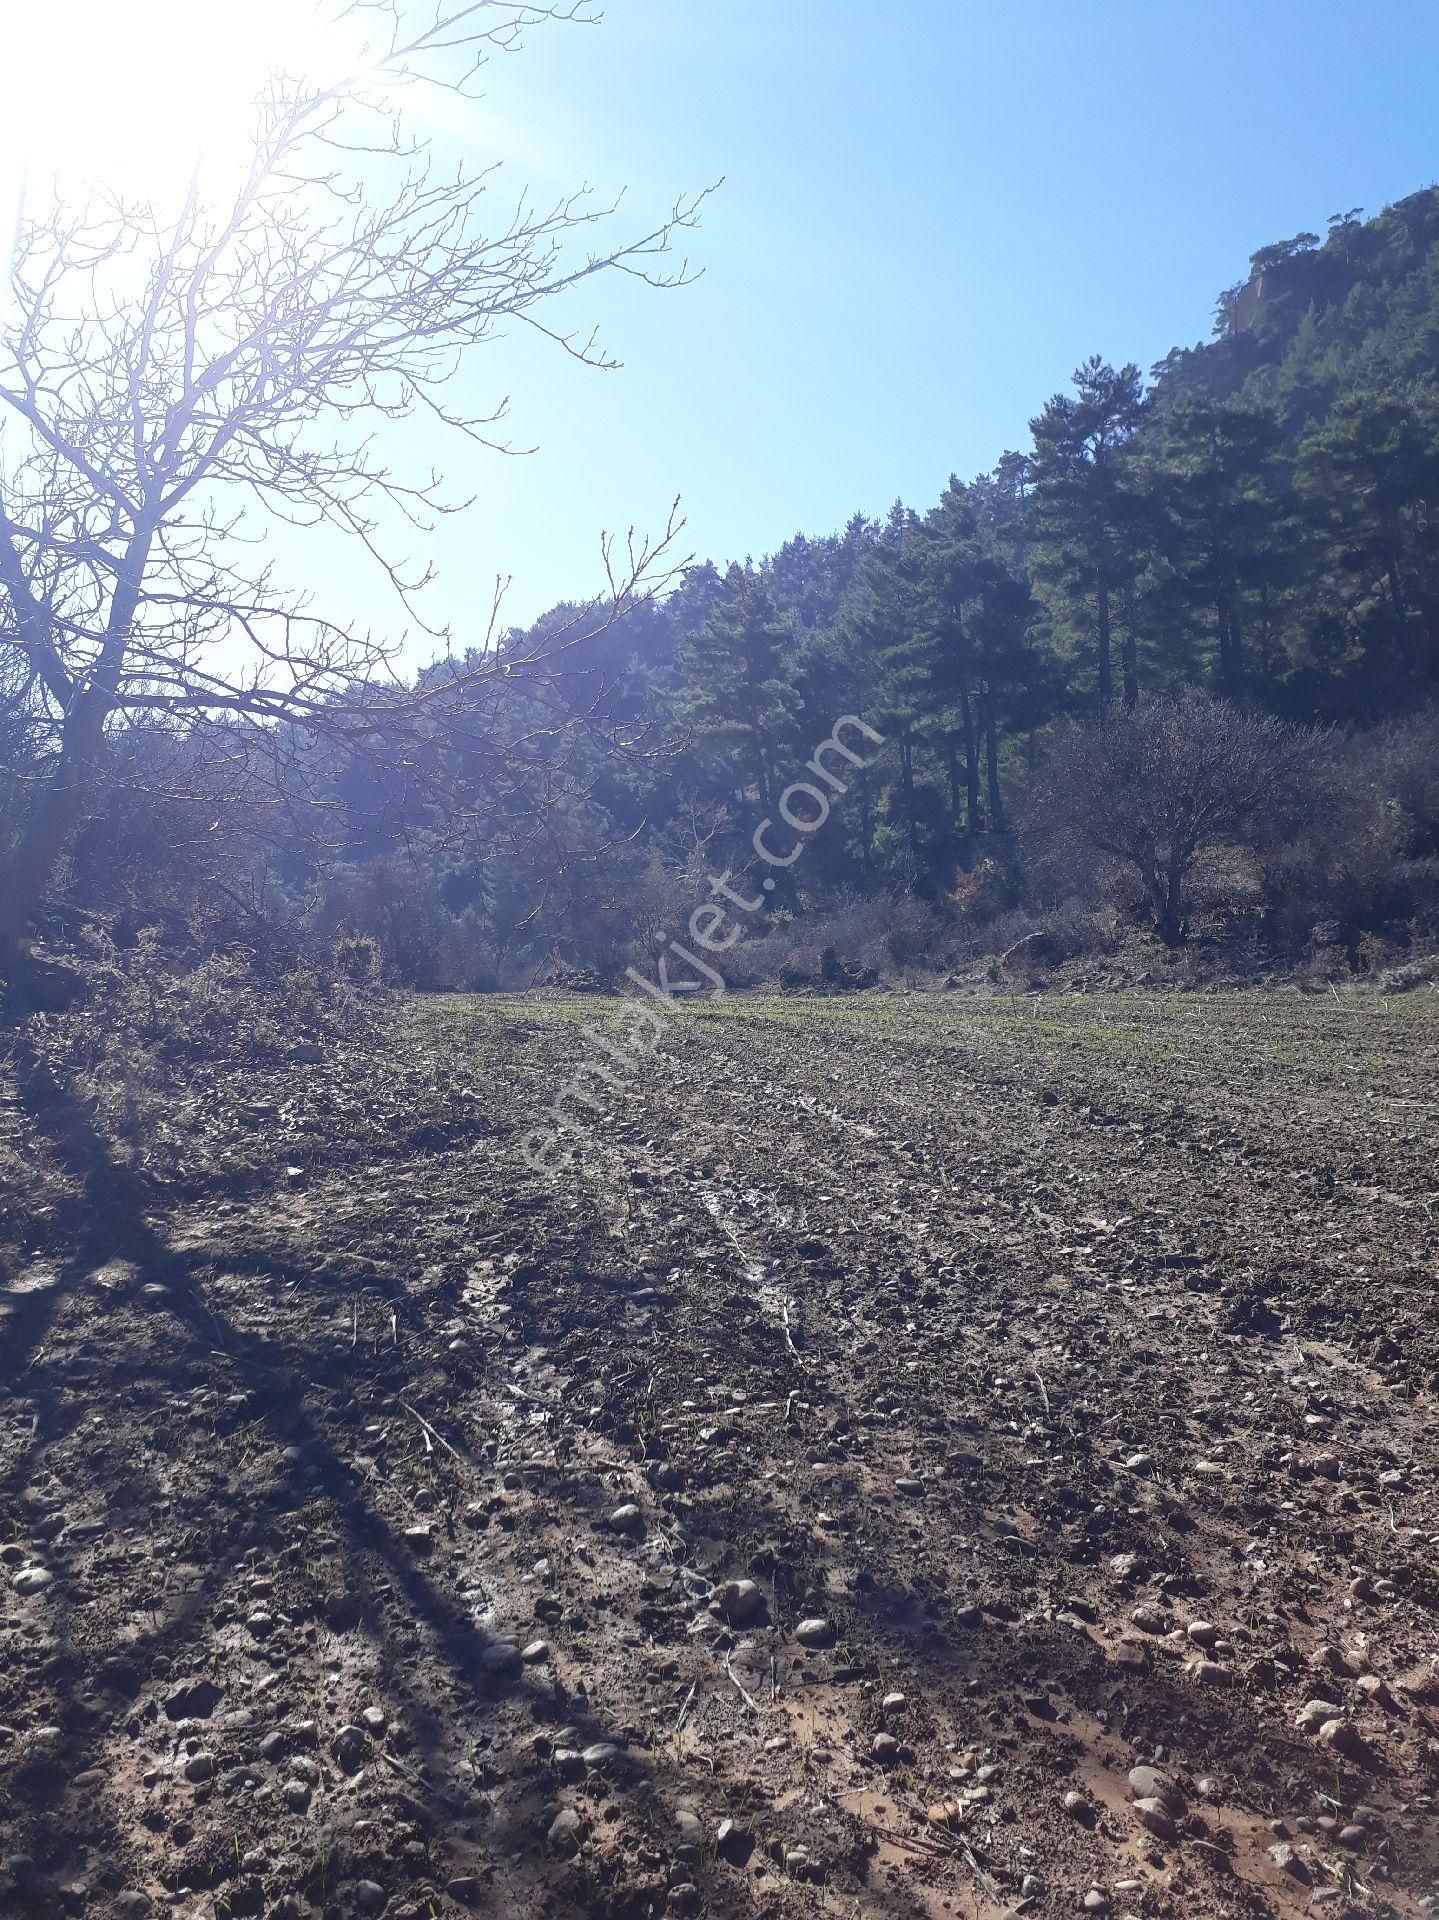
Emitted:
<point x="1368" y="474"/>
<point x="738" y="669"/>
<point x="888" y="629"/>
<point x="1087" y="516"/>
<point x="1216" y="481"/>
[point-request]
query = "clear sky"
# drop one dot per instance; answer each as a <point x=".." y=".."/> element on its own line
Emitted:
<point x="932" y="210"/>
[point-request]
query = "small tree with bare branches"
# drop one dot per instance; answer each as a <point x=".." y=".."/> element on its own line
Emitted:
<point x="162" y="375"/>
<point x="1160" y="786"/>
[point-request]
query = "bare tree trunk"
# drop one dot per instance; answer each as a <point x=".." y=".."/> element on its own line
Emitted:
<point x="57" y="811"/>
<point x="971" y="761"/>
<point x="31" y="867"/>
<point x="1266" y="637"/>
<point x="1236" y="648"/>
<point x="761" y="747"/>
<point x="951" y="754"/>
<point x="1131" y="668"/>
<point x="1229" y="677"/>
<point x="1106" y="662"/>
<point x="1166" y="894"/>
<point x="906" y="768"/>
<point x="991" y="758"/>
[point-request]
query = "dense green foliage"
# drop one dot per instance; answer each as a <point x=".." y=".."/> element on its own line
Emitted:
<point x="1255" y="521"/>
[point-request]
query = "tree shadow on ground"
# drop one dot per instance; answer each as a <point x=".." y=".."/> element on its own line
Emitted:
<point x="176" y="1333"/>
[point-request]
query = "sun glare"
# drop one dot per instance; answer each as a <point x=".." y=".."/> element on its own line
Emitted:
<point x="134" y="94"/>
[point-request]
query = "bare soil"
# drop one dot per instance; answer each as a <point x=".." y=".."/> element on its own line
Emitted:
<point x="1073" y="1361"/>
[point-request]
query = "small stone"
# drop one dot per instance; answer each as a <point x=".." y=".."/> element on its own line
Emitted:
<point x="883" y="1748"/>
<point x="419" y="1539"/>
<point x="351" y="1748"/>
<point x="567" y="1763"/>
<point x="32" y="1580"/>
<point x="689" y="1827"/>
<point x="1346" y="1739"/>
<point x="600" y="1754"/>
<point x="910" y="1488"/>
<point x="1149" y="1619"/>
<point x="814" y="1633"/>
<point x="1078" y="1808"/>
<point x="892" y="1703"/>
<point x="1288" y="1861"/>
<point x="199" y="1768"/>
<point x="738" y="1602"/>
<point x="1312" y="1715"/>
<point x="944" y="1813"/>
<point x="373" y="1720"/>
<point x="1353" y="1838"/>
<point x="369" y="1896"/>
<point x="627" y="1519"/>
<point x="500" y="1658"/>
<point x="1095" y="1901"/>
<point x="1334" y="1660"/>
<point x="732" y="1841"/>
<point x="1140" y="1463"/>
<point x="260" y="1623"/>
<point x="1208" y="1673"/>
<point x="1150" y="1783"/>
<point x="296" y="1795"/>
<point x="192" y="1700"/>
<point x="1202" y="1632"/>
<point x="1155" y="1818"/>
<point x="535" y="1653"/>
<point x="566" y="1833"/>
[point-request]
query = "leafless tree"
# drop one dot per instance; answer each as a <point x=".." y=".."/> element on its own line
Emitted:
<point x="1162" y="784"/>
<point x="167" y="376"/>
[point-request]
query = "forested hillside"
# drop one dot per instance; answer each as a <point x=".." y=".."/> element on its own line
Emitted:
<point x="1259" y="519"/>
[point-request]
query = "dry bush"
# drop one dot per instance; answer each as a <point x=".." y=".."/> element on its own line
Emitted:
<point x="1160" y="789"/>
<point x="146" y="1026"/>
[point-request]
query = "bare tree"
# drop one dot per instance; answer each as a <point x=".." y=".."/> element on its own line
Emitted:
<point x="1161" y="785"/>
<point x="162" y="376"/>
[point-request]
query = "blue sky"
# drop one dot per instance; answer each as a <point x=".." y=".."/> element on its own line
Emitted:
<point x="931" y="212"/>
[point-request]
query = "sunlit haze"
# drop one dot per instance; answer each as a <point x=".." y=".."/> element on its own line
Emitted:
<point x="133" y="94"/>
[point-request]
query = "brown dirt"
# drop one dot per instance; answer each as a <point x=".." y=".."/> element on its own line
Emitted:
<point x="1137" y="1297"/>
